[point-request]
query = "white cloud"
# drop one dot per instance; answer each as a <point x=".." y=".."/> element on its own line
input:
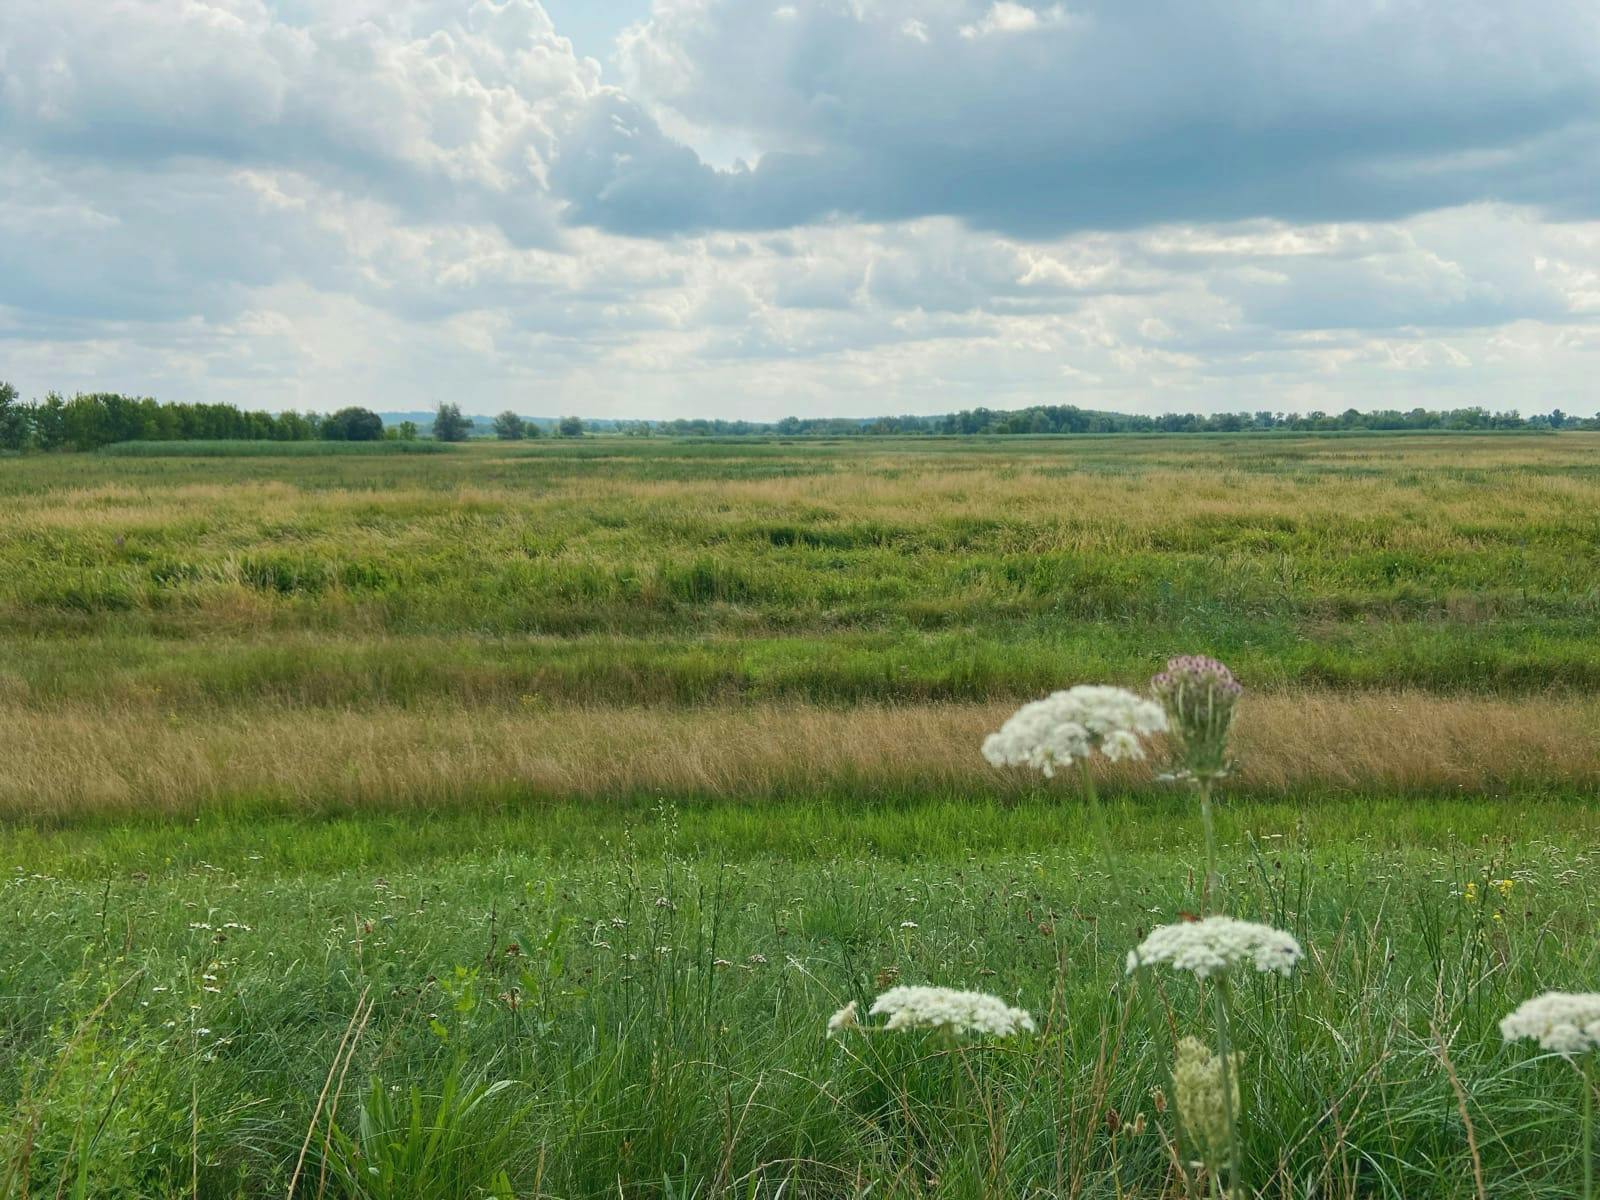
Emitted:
<point x="395" y="203"/>
<point x="1006" y="17"/>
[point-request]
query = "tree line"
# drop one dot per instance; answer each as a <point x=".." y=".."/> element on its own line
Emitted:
<point x="88" y="421"/>
<point x="91" y="420"/>
<point x="1067" y="418"/>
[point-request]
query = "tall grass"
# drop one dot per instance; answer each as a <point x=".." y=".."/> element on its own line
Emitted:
<point x="620" y="571"/>
<point x="202" y="1009"/>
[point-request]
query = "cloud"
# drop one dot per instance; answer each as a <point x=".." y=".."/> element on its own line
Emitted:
<point x="1036" y="120"/>
<point x="1005" y="17"/>
<point x="433" y="108"/>
<point x="830" y="206"/>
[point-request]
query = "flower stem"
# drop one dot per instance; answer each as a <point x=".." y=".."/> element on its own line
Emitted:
<point x="1208" y="893"/>
<point x="1101" y="829"/>
<point x="1225" y="1052"/>
<point x="1588" y="1131"/>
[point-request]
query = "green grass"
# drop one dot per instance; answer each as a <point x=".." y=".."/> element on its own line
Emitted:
<point x="202" y="448"/>
<point x="529" y="994"/>
<point x="627" y="1059"/>
<point x="834" y="572"/>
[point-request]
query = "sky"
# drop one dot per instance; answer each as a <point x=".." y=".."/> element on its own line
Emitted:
<point x="737" y="208"/>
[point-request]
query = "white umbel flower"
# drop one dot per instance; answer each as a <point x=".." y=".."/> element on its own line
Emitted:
<point x="1567" y="1023"/>
<point x="1215" y="944"/>
<point x="1075" y="724"/>
<point x="950" y="1009"/>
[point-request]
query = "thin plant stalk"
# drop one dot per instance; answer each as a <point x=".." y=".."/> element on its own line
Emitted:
<point x="1224" y="1050"/>
<point x="1586" y="1074"/>
<point x="1102" y="830"/>
<point x="1203" y="785"/>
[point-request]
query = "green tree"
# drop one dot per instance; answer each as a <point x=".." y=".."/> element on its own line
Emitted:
<point x="509" y="427"/>
<point x="570" y="427"/>
<point x="353" y="425"/>
<point x="50" y="422"/>
<point x="449" y="425"/>
<point x="15" y="423"/>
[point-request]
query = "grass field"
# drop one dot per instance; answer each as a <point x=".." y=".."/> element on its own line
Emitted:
<point x="571" y="786"/>
<point x="202" y="448"/>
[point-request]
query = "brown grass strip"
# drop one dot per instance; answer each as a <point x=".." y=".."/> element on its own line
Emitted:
<point x="90" y="759"/>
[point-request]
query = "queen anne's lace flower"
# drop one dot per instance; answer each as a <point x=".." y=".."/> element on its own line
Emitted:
<point x="1202" y="1107"/>
<point x="1215" y="944"/>
<point x="1074" y="724"/>
<point x="947" y="1008"/>
<point x="1567" y="1023"/>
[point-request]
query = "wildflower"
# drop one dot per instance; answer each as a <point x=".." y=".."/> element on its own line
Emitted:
<point x="950" y="1009"/>
<point x="844" y="1019"/>
<point x="1567" y="1023"/>
<point x="1075" y="724"/>
<point x="1202" y="1106"/>
<point x="1470" y="893"/>
<point x="909" y="925"/>
<point x="1215" y="944"/>
<point x="1504" y="886"/>
<point x="1198" y="695"/>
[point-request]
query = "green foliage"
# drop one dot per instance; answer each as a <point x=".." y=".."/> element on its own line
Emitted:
<point x="570" y="427"/>
<point x="449" y="425"/>
<point x="509" y="427"/>
<point x="452" y="1145"/>
<point x="15" y="427"/>
<point x="353" y="425"/>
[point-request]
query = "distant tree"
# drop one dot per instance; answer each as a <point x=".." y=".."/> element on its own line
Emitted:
<point x="570" y="427"/>
<point x="50" y="423"/>
<point x="293" y="427"/>
<point x="406" y="431"/>
<point x="449" y="425"/>
<point x="353" y="425"/>
<point x="509" y="427"/>
<point x="16" y="426"/>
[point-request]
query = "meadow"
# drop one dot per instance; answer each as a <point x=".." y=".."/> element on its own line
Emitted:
<point x="508" y="819"/>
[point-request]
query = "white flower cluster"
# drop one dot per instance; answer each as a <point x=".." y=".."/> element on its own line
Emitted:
<point x="1215" y="944"/>
<point x="948" y="1008"/>
<point x="1074" y="724"/>
<point x="1565" y="1022"/>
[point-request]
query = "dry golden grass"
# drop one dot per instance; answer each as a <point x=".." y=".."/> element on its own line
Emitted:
<point x="88" y="760"/>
